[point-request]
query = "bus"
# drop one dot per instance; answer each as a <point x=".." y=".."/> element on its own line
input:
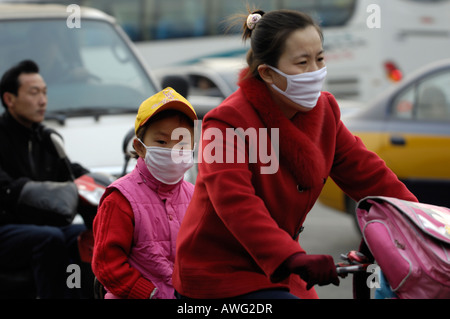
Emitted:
<point x="369" y="44"/>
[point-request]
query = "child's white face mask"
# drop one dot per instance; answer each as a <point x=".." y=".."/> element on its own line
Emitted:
<point x="303" y="89"/>
<point x="168" y="165"/>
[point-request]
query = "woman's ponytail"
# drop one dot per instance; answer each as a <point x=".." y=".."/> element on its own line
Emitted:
<point x="250" y="23"/>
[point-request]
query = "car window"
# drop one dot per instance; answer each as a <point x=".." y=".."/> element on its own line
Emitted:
<point x="427" y="100"/>
<point x="404" y="104"/>
<point x="89" y="68"/>
<point x="203" y="86"/>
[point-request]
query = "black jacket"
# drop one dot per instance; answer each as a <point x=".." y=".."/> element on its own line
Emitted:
<point x="27" y="154"/>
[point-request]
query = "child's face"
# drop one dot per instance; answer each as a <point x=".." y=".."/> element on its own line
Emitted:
<point x="167" y="132"/>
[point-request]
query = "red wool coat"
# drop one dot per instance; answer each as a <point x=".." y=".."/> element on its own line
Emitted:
<point x="242" y="225"/>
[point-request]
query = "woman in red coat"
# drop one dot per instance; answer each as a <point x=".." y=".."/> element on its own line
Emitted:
<point x="239" y="237"/>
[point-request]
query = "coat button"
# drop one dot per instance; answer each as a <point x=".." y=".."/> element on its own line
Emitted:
<point x="300" y="189"/>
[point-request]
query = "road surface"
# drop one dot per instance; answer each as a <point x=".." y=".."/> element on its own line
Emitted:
<point x="331" y="232"/>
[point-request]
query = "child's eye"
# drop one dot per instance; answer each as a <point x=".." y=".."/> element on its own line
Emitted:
<point x="161" y="142"/>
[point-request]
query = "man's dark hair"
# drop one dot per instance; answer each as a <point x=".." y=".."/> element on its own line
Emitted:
<point x="10" y="79"/>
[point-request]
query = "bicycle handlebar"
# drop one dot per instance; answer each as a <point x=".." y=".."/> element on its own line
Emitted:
<point x="343" y="270"/>
<point x="354" y="262"/>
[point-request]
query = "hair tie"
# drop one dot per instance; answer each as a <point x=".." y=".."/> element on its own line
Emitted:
<point x="252" y="20"/>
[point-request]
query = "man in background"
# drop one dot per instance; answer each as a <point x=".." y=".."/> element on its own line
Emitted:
<point x="38" y="198"/>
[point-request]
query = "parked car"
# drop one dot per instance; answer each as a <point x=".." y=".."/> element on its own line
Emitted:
<point x="96" y="80"/>
<point x="209" y="81"/>
<point x="408" y="127"/>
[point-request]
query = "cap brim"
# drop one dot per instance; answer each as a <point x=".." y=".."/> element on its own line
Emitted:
<point x="174" y="105"/>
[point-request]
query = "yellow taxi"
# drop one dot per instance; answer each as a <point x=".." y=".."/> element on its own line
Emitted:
<point x="409" y="128"/>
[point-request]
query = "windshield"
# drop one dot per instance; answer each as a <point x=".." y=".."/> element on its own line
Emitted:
<point x="87" y="69"/>
<point x="327" y="12"/>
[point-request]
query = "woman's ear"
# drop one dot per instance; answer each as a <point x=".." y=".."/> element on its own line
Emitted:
<point x="266" y="73"/>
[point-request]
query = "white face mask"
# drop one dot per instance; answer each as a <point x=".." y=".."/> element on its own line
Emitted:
<point x="303" y="89"/>
<point x="168" y="165"/>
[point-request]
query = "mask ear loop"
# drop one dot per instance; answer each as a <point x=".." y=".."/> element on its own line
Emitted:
<point x="142" y="142"/>
<point x="282" y="74"/>
<point x="278" y="71"/>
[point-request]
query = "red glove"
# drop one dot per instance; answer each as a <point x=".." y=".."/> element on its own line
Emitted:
<point x="314" y="269"/>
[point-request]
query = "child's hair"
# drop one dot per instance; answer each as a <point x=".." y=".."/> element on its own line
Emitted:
<point x="160" y="116"/>
<point x="269" y="34"/>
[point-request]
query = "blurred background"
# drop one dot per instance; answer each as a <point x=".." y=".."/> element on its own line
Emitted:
<point x="369" y="44"/>
<point x="382" y="58"/>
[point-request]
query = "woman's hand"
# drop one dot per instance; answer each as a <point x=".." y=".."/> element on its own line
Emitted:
<point x="314" y="269"/>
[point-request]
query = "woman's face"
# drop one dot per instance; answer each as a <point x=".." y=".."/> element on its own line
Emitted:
<point x="303" y="52"/>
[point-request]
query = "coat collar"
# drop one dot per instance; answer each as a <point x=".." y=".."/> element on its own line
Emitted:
<point x="20" y="130"/>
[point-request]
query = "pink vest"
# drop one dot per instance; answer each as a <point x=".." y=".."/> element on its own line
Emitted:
<point x="158" y="211"/>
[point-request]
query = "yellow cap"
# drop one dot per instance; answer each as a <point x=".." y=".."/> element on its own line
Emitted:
<point x="167" y="99"/>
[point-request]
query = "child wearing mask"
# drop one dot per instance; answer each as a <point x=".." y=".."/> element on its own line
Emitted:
<point x="140" y="214"/>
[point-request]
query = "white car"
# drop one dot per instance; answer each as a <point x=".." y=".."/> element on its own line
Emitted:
<point x="209" y="80"/>
<point x="95" y="78"/>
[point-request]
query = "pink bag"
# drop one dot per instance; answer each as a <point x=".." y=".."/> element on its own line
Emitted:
<point x="411" y="244"/>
